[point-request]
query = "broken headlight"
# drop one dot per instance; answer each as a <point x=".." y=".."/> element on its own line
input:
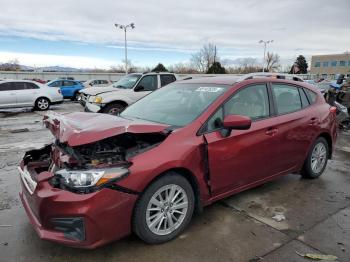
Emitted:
<point x="95" y="99"/>
<point x="92" y="177"/>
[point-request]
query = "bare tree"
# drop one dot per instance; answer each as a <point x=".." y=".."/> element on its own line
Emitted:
<point x="205" y="57"/>
<point x="11" y="65"/>
<point x="182" y="68"/>
<point x="272" y="62"/>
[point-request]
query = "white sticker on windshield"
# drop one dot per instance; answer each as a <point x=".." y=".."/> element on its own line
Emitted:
<point x="209" y="89"/>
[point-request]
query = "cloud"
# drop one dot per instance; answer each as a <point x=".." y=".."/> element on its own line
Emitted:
<point x="297" y="26"/>
<point x="39" y="60"/>
<point x="154" y="48"/>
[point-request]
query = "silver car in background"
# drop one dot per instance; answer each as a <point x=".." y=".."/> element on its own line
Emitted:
<point x="96" y="83"/>
<point x="23" y="93"/>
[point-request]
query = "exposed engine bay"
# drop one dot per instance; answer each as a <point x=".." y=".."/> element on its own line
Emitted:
<point x="110" y="151"/>
<point x="113" y="151"/>
<point x="77" y="167"/>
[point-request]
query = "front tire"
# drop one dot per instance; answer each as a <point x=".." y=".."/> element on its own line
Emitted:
<point x="164" y="209"/>
<point x="42" y="104"/>
<point x="75" y="97"/>
<point x="316" y="160"/>
<point x="113" y="109"/>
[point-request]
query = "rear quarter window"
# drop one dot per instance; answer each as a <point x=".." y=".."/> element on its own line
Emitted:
<point x="312" y="96"/>
<point x="303" y="97"/>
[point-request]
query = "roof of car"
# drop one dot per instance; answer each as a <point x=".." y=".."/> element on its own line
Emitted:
<point x="230" y="80"/>
<point x="153" y="73"/>
<point x="223" y="80"/>
<point x="13" y="80"/>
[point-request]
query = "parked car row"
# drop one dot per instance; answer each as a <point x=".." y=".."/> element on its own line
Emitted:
<point x="14" y="94"/>
<point x="96" y="82"/>
<point x="171" y="153"/>
<point x="39" y="95"/>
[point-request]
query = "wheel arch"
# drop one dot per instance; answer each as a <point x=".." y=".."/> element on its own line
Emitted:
<point x="42" y="97"/>
<point x="328" y="138"/>
<point x="190" y="177"/>
<point x="117" y="102"/>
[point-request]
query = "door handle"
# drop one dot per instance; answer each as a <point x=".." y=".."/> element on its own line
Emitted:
<point x="271" y="131"/>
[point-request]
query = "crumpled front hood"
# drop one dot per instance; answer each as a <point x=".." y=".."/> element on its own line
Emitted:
<point x="92" y="91"/>
<point x="83" y="128"/>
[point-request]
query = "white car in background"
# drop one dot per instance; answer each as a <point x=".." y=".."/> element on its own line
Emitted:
<point x="126" y="91"/>
<point x="96" y="83"/>
<point x="22" y="93"/>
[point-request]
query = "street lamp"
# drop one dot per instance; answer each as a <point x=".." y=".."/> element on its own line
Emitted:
<point x="125" y="27"/>
<point x="265" y="43"/>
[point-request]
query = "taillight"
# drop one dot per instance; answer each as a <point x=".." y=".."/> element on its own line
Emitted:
<point x="333" y="109"/>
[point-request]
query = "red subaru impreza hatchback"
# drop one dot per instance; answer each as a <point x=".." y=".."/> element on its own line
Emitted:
<point x="176" y="150"/>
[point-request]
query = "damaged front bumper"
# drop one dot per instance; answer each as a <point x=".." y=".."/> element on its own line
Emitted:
<point x="94" y="108"/>
<point x="71" y="189"/>
<point x="78" y="220"/>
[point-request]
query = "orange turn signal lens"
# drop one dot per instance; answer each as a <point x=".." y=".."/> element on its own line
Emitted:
<point x="110" y="176"/>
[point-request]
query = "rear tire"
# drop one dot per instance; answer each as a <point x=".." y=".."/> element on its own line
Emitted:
<point x="42" y="104"/>
<point x="316" y="160"/>
<point x="164" y="210"/>
<point x="113" y="109"/>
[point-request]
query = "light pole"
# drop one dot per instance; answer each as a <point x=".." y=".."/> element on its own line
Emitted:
<point x="265" y="43"/>
<point x="125" y="27"/>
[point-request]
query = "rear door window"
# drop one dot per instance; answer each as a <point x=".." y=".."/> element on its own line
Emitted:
<point x="17" y="85"/>
<point x="166" y="79"/>
<point x="287" y="98"/>
<point x="68" y="83"/>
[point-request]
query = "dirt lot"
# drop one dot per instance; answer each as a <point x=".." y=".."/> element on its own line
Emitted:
<point x="239" y="228"/>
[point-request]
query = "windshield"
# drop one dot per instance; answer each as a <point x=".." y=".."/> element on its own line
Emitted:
<point x="176" y="104"/>
<point x="127" y="82"/>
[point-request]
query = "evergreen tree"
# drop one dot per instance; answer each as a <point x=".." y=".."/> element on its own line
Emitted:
<point x="216" y="68"/>
<point x="160" y="68"/>
<point x="301" y="64"/>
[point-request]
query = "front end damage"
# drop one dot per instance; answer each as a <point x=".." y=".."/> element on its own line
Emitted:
<point x="70" y="187"/>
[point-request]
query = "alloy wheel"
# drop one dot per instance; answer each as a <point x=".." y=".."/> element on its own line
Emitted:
<point x="167" y="209"/>
<point x="318" y="157"/>
<point x="43" y="104"/>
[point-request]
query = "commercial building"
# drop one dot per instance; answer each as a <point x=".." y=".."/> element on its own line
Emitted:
<point x="328" y="66"/>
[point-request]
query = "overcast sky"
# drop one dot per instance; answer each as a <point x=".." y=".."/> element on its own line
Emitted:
<point x="82" y="33"/>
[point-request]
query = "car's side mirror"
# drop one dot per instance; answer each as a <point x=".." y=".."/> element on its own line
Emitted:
<point x="139" y="88"/>
<point x="236" y="122"/>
